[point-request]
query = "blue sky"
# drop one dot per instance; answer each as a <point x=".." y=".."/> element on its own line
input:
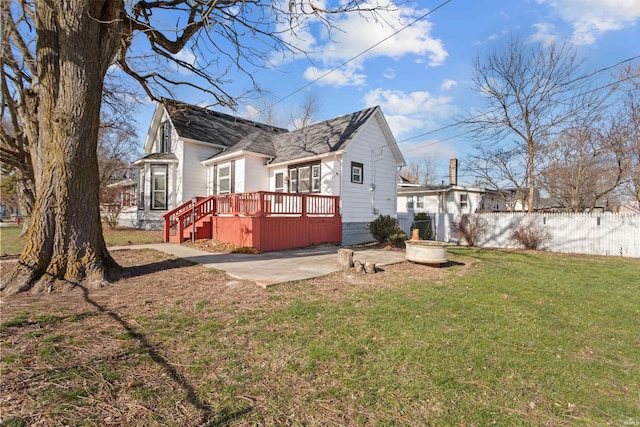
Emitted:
<point x="421" y="76"/>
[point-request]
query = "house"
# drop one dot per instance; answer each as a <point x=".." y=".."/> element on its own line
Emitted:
<point x="445" y="203"/>
<point x="233" y="167"/>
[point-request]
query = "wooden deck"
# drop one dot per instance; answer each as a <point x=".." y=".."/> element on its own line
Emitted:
<point x="263" y="220"/>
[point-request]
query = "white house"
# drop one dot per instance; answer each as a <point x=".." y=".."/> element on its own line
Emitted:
<point x="193" y="152"/>
<point x="445" y="203"/>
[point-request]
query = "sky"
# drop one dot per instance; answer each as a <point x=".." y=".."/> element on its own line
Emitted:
<point x="416" y="64"/>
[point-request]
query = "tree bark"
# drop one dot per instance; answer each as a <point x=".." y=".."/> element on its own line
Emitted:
<point x="76" y="41"/>
<point x="345" y="259"/>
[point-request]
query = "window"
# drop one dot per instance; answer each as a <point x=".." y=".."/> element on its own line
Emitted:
<point x="415" y="202"/>
<point x="224" y="179"/>
<point x="304" y="179"/>
<point x="357" y="172"/>
<point x="464" y="201"/>
<point x="293" y="180"/>
<point x="141" y="190"/>
<point x="315" y="178"/>
<point x="158" y="187"/>
<point x="164" y="140"/>
<point x="279" y="187"/>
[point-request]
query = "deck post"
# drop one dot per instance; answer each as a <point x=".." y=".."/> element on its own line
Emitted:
<point x="304" y="205"/>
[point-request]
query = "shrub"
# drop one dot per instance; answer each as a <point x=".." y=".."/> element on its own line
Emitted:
<point x="471" y="228"/>
<point x="398" y="239"/>
<point x="386" y="229"/>
<point x="531" y="236"/>
<point x="424" y="223"/>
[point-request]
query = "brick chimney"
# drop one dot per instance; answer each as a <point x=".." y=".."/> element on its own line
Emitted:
<point x="453" y="171"/>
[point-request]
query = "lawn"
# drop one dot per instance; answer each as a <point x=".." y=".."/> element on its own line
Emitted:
<point x="11" y="243"/>
<point x="493" y="338"/>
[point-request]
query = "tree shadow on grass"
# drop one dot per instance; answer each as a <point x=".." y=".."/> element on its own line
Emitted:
<point x="154" y="267"/>
<point x="208" y="418"/>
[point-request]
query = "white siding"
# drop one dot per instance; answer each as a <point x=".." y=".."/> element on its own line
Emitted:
<point x="256" y="175"/>
<point x="192" y="175"/>
<point x="358" y="200"/>
<point x="330" y="176"/>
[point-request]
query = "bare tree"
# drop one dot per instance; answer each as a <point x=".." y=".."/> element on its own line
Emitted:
<point x="530" y="93"/>
<point x="55" y="57"/>
<point x="306" y="113"/>
<point x="628" y="91"/>
<point x="420" y="172"/>
<point x="586" y="165"/>
<point x="503" y="169"/>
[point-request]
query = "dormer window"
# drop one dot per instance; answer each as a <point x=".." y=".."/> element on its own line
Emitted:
<point x="164" y="137"/>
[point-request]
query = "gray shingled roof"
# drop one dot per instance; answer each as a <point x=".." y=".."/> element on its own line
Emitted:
<point x="239" y="134"/>
<point x="211" y="126"/>
<point x="158" y="156"/>
<point x="320" y="138"/>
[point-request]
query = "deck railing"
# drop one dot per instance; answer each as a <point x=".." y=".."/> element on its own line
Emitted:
<point x="256" y="204"/>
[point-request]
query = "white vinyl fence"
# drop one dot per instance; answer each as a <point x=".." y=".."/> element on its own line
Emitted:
<point x="581" y="233"/>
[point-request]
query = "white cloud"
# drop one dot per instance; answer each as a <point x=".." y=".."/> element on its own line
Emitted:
<point x="402" y="125"/>
<point x="592" y="18"/>
<point x="418" y="150"/>
<point x="187" y="56"/>
<point x="448" y="84"/>
<point x="348" y="76"/>
<point x="545" y="33"/>
<point x="356" y="34"/>
<point x="398" y="102"/>
<point x="407" y="112"/>
<point x="389" y="73"/>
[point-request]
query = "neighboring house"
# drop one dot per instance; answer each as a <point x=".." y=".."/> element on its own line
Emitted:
<point x="445" y="203"/>
<point x="192" y="152"/>
<point x="448" y="199"/>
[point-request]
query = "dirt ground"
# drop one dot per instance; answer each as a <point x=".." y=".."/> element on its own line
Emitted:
<point x="84" y="326"/>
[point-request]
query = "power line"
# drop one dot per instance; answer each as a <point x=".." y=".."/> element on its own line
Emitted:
<point x="498" y="109"/>
<point x="355" y="57"/>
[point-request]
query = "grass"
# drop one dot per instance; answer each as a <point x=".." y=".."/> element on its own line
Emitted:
<point x="503" y="338"/>
<point x="11" y="243"/>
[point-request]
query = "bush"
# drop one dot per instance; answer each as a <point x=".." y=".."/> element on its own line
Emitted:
<point x="531" y="236"/>
<point x="424" y="223"/>
<point x="471" y="228"/>
<point x="386" y="229"/>
<point x="398" y="239"/>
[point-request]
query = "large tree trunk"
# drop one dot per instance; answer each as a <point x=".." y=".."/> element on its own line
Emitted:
<point x="26" y="196"/>
<point x="64" y="245"/>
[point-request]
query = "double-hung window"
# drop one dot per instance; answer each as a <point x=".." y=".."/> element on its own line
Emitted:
<point x="315" y="178"/>
<point x="164" y="140"/>
<point x="293" y="180"/>
<point x="224" y="179"/>
<point x="304" y="179"/>
<point x="158" y="187"/>
<point x="357" y="173"/>
<point x="279" y="184"/>
<point x="464" y="201"/>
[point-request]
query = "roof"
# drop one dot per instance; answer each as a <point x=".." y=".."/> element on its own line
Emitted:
<point x="157" y="156"/>
<point x="320" y="138"/>
<point x="439" y="188"/>
<point x="205" y="125"/>
<point x="241" y="135"/>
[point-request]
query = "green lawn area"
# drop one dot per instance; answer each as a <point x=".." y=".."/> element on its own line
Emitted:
<point x="501" y="338"/>
<point x="11" y="243"/>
